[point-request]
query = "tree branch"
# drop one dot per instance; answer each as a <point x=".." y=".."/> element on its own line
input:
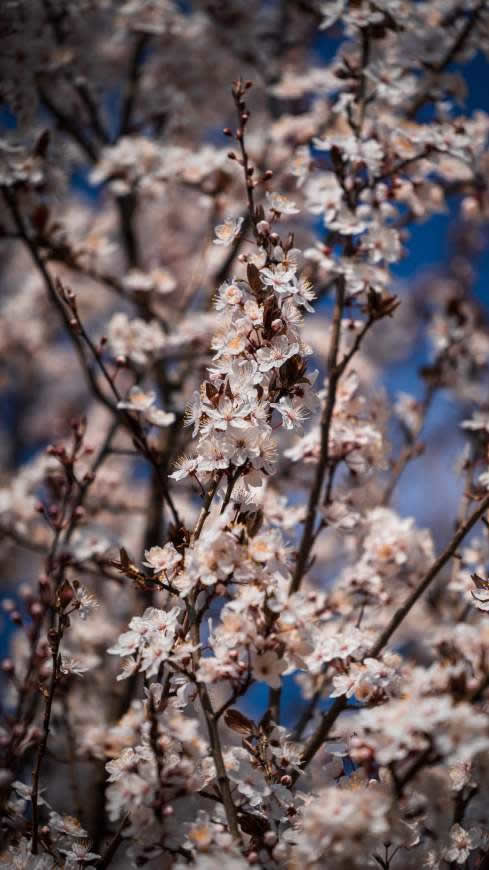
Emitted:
<point x="384" y="637"/>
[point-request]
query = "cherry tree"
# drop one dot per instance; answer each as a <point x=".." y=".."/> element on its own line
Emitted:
<point x="203" y="209"/>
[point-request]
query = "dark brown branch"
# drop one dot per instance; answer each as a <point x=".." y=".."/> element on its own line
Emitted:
<point x="411" y="451"/>
<point x="239" y="90"/>
<point x="67" y="123"/>
<point x="216" y="750"/>
<point x="114" y="844"/>
<point x="36" y="774"/>
<point x="315" y="494"/>
<point x="134" y="74"/>
<point x="204" y="512"/>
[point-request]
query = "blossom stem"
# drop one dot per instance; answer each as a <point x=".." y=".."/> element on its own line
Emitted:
<point x="216" y="750"/>
<point x="211" y="718"/>
<point x="238" y="93"/>
<point x="229" y="490"/>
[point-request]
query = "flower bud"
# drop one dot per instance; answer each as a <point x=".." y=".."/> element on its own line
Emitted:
<point x="270" y="838"/>
<point x="36" y="610"/>
<point x="65" y="595"/>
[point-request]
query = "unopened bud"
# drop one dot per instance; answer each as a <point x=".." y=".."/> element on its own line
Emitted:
<point x="470" y="208"/>
<point x="36" y="610"/>
<point x="270" y="838"/>
<point x="44" y="672"/>
<point x="65" y="595"/>
<point x="44" y="586"/>
<point x="26" y="593"/>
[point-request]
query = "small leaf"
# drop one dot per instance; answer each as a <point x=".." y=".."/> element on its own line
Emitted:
<point x="239" y="723"/>
<point x="125" y="560"/>
<point x="41" y="146"/>
<point x="480" y="582"/>
<point x="254" y="279"/>
<point x="253" y="825"/>
<point x="270" y="313"/>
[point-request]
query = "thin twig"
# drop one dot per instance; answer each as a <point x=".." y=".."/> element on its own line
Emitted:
<point x="113" y="846"/>
<point x="411" y="450"/>
<point x="134" y="73"/>
<point x="69" y="125"/>
<point x="216" y="749"/>
<point x="204" y="513"/>
<point x="36" y="774"/>
<point x="239" y="90"/>
<point x="315" y="494"/>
